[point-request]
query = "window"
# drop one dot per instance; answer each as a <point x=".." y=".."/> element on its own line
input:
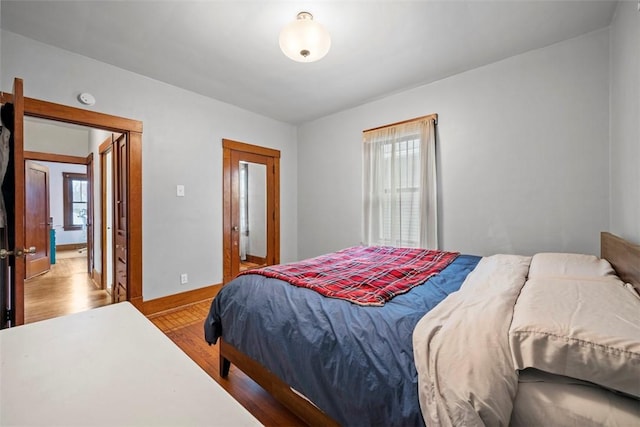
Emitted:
<point x="75" y="200"/>
<point x="399" y="185"/>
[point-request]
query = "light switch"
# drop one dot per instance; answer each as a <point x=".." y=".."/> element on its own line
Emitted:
<point x="180" y="190"/>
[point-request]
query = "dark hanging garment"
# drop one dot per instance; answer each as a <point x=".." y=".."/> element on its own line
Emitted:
<point x="7" y="177"/>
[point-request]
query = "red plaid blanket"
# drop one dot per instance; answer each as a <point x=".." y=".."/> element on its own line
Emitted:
<point x="363" y="275"/>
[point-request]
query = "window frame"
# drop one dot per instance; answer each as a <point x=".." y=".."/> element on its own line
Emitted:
<point x="68" y="178"/>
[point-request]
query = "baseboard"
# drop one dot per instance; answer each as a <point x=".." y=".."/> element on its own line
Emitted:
<point x="96" y="276"/>
<point x="70" y="246"/>
<point x="256" y="259"/>
<point x="177" y="300"/>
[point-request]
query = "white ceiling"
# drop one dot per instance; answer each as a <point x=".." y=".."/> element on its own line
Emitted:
<point x="228" y="50"/>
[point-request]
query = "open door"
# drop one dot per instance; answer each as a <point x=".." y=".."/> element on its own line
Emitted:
<point x="12" y="242"/>
<point x="90" y="216"/>
<point x="38" y="222"/>
<point x="120" y="220"/>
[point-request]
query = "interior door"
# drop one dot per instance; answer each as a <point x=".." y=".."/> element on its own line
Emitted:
<point x="13" y="267"/>
<point x="251" y="193"/>
<point x="120" y="218"/>
<point x="90" y="215"/>
<point x="37" y="224"/>
<point x="106" y="215"/>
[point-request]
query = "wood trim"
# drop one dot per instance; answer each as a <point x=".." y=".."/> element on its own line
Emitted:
<point x="428" y="116"/>
<point x="96" y="276"/>
<point x="56" y="158"/>
<point x="90" y="213"/>
<point x="177" y="300"/>
<point x="623" y="255"/>
<point x="137" y="303"/>
<point x="249" y="148"/>
<point x="276" y="209"/>
<point x="105" y="147"/>
<point x="226" y="217"/>
<point x="63" y="113"/>
<point x="70" y="246"/>
<point x="134" y="206"/>
<point x="256" y="259"/>
<point x="275" y="387"/>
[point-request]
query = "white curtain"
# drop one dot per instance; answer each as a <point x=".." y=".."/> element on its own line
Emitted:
<point x="399" y="185"/>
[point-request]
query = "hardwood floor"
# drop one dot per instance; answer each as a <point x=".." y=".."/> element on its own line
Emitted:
<point x="65" y="289"/>
<point x="184" y="326"/>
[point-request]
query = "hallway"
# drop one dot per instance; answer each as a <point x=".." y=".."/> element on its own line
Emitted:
<point x="65" y="289"/>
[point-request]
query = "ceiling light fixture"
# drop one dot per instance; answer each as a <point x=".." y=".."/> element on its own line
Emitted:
<point x="304" y="40"/>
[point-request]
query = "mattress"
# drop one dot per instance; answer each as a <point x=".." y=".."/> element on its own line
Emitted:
<point x="545" y="399"/>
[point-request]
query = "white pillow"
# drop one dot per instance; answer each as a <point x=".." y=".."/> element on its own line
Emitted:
<point x="569" y="265"/>
<point x="582" y="328"/>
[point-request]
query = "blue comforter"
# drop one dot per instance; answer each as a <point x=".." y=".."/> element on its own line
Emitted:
<point x="355" y="363"/>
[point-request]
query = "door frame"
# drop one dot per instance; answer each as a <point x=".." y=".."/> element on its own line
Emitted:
<point x="228" y="194"/>
<point x="133" y="129"/>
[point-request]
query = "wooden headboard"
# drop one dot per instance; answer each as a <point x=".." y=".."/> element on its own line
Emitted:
<point x="624" y="256"/>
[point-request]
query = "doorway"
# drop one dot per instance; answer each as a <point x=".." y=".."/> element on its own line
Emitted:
<point x="13" y="296"/>
<point x="64" y="278"/>
<point x="251" y="200"/>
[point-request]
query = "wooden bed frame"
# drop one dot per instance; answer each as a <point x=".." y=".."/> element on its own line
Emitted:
<point x="624" y="256"/>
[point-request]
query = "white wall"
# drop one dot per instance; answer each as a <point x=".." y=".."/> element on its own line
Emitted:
<point x="56" y="201"/>
<point x="522" y="153"/>
<point x="625" y="122"/>
<point x="181" y="145"/>
<point x="56" y="138"/>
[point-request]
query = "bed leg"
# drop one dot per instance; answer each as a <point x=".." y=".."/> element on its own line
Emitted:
<point x="224" y="366"/>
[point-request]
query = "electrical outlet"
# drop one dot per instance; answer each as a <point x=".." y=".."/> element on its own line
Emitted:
<point x="184" y="279"/>
<point x="180" y="190"/>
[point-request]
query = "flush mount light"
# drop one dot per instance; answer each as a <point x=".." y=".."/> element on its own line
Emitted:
<point x="304" y="40"/>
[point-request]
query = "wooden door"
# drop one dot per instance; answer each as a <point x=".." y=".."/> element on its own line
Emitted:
<point x="37" y="224"/>
<point x="235" y="153"/>
<point x="90" y="216"/>
<point x="13" y="267"/>
<point x="120" y="226"/>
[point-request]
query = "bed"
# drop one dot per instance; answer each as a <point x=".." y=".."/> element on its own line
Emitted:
<point x="386" y="374"/>
<point x="109" y="366"/>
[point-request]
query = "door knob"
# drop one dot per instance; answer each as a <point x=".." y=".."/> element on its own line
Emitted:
<point x="5" y="253"/>
<point x="235" y="228"/>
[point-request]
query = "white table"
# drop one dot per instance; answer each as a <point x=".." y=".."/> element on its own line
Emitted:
<point x="106" y="367"/>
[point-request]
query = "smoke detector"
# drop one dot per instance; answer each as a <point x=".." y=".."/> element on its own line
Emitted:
<point x="86" y="98"/>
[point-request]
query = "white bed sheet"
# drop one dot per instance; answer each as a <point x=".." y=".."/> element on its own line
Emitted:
<point x="545" y="399"/>
<point x="106" y="367"/>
